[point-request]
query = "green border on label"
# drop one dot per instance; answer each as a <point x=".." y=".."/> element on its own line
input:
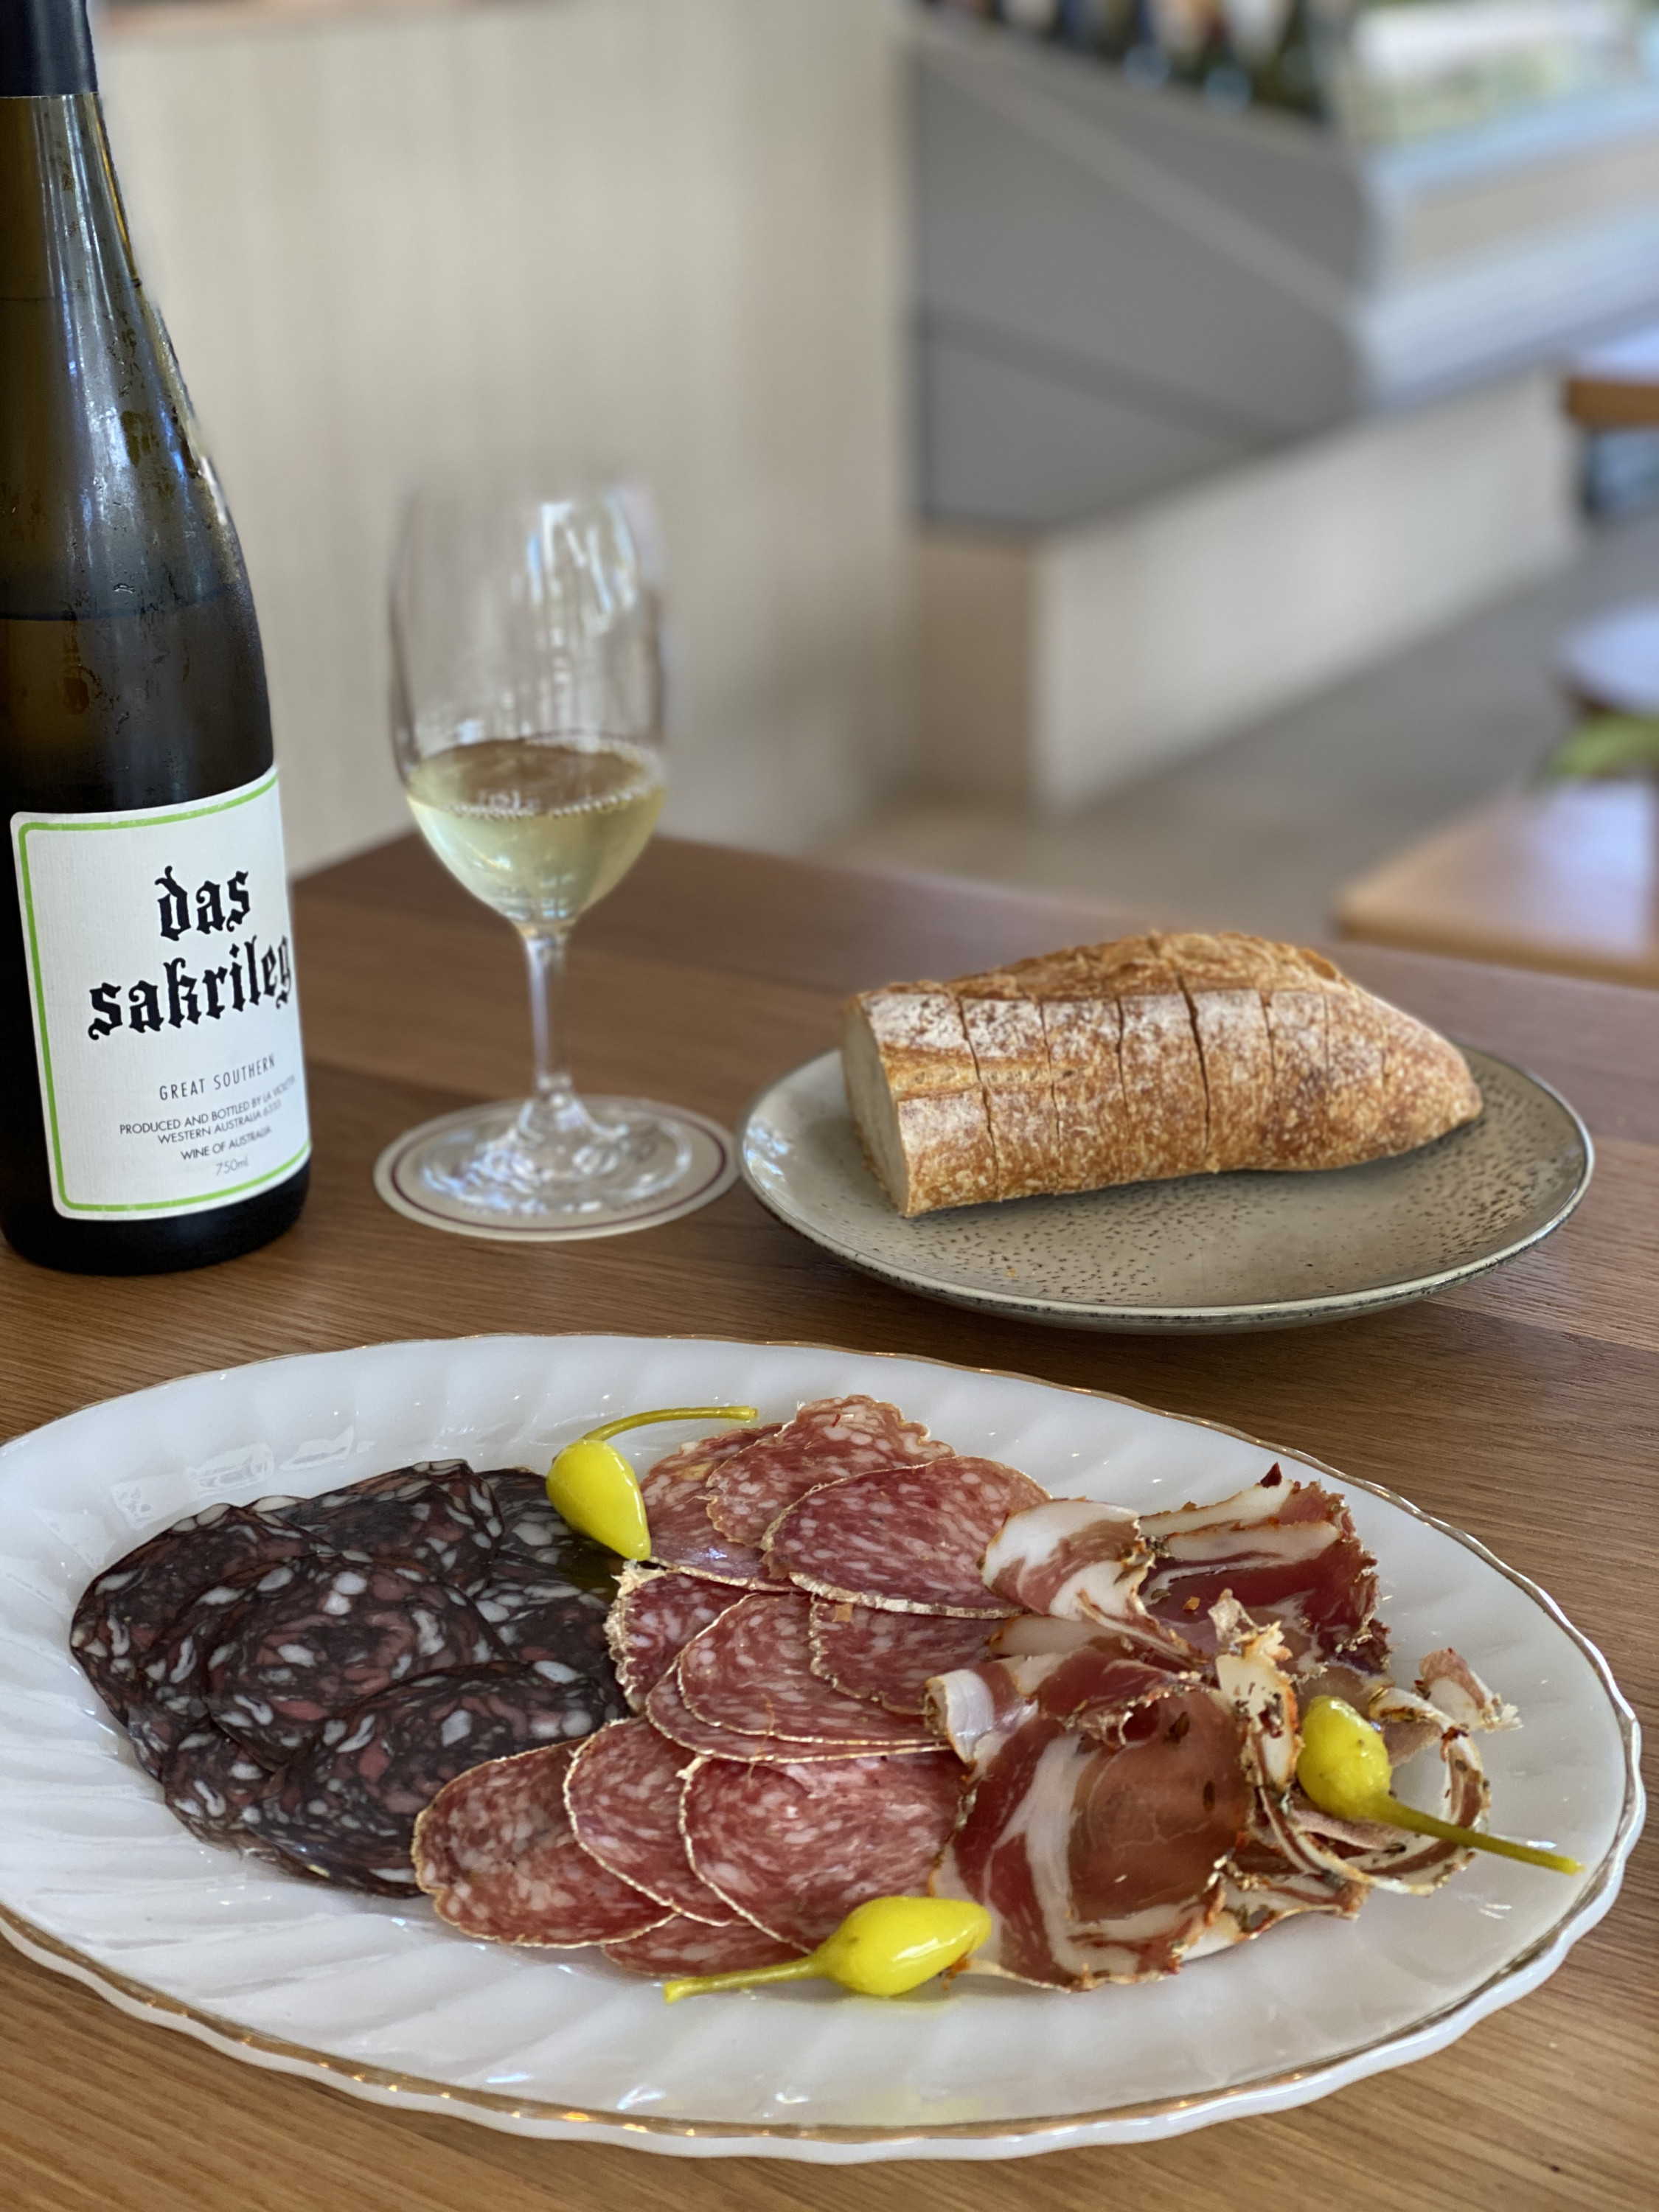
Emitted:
<point x="157" y="817"/>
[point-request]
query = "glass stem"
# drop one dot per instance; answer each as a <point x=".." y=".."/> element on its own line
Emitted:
<point x="553" y="1112"/>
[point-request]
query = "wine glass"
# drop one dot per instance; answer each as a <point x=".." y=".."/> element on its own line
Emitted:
<point x="528" y="732"/>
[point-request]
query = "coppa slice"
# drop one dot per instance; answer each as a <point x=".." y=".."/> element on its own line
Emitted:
<point x="319" y="1635"/>
<point x="654" y="1616"/>
<point x="1286" y="1552"/>
<point x="752" y="1669"/>
<point x="497" y="1855"/>
<point x="680" y="1946"/>
<point x="890" y="1657"/>
<point x="827" y="1441"/>
<point x="911" y="1539"/>
<point x="1102" y="1862"/>
<point x="795" y="1848"/>
<point x="675" y="1495"/>
<point x="622" y="1792"/>
<point x="345" y="1807"/>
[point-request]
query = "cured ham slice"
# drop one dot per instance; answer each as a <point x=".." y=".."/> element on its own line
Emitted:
<point x="654" y="1616"/>
<point x="1071" y="1558"/>
<point x="622" y="1790"/>
<point x="1451" y="1685"/>
<point x="826" y="1441"/>
<point x="1102" y="1862"/>
<point x="888" y="1658"/>
<point x="495" y="1852"/>
<point x="910" y="1541"/>
<point x="1093" y="1685"/>
<point x="752" y="1670"/>
<point x="1285" y="1551"/>
<point x="675" y="1495"/>
<point x="794" y="1849"/>
<point x="679" y="1946"/>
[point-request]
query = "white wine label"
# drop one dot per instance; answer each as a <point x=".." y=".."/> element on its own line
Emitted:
<point x="167" y="1027"/>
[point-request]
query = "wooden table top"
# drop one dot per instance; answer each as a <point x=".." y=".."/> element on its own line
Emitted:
<point x="1563" y="877"/>
<point x="1524" y="1407"/>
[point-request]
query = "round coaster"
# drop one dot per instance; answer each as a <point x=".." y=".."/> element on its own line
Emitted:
<point x="712" y="1170"/>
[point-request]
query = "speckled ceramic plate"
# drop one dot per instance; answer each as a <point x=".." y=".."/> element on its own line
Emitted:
<point x="375" y="1996"/>
<point x="1206" y="1251"/>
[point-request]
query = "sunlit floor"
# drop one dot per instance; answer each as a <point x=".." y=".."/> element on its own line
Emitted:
<point x="1262" y="832"/>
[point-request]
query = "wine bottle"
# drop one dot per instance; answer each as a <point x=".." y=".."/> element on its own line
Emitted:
<point x="152" y="1097"/>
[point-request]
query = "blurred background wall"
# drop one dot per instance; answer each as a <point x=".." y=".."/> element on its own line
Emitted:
<point x="665" y="230"/>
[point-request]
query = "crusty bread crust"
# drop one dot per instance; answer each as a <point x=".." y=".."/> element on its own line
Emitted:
<point x="1137" y="1061"/>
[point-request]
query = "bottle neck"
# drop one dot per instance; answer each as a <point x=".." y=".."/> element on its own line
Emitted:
<point x="45" y="48"/>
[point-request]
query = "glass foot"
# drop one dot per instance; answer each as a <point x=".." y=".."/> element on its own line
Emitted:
<point x="469" y="1173"/>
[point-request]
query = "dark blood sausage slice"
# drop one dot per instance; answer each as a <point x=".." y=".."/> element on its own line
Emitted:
<point x="795" y="1848"/>
<point x="322" y="1634"/>
<point x="547" y="1623"/>
<point x="890" y="1657"/>
<point x="826" y="1441"/>
<point x="209" y="1781"/>
<point x="622" y="1793"/>
<point x="676" y="1494"/>
<point x="124" y="1610"/>
<point x="345" y="1809"/>
<point x="170" y="1698"/>
<point x="671" y="1717"/>
<point x="680" y="1946"/>
<point x="655" y="1615"/>
<point x="496" y="1854"/>
<point x="752" y="1669"/>
<point x="438" y="1516"/>
<point x="910" y="1541"/>
<point x="532" y="1532"/>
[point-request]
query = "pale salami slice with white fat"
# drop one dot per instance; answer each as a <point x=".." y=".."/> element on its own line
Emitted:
<point x="497" y="1855"/>
<point x="319" y="1635"/>
<point x="681" y="1945"/>
<point x="828" y="1441"/>
<point x="910" y="1541"/>
<point x="622" y="1793"/>
<point x="888" y="1658"/>
<point x="668" y="1712"/>
<point x="795" y="1848"/>
<point x="675" y="1495"/>
<point x="752" y="1670"/>
<point x="654" y="1615"/>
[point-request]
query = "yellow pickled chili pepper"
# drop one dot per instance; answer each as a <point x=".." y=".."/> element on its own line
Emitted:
<point x="883" y="1949"/>
<point x="592" y="1485"/>
<point x="1345" y="1770"/>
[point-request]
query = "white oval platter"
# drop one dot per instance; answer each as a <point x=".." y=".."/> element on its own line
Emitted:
<point x="376" y="1998"/>
<point x="1198" y="1253"/>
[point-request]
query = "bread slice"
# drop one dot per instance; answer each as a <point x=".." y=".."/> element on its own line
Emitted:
<point x="1143" y="1058"/>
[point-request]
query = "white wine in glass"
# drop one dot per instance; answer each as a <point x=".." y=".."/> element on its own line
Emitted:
<point x="529" y="737"/>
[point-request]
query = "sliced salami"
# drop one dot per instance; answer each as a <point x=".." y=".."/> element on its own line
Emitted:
<point x="438" y="1516"/>
<point x="910" y="1541"/>
<point x="209" y="1781"/>
<point x="890" y="1657"/>
<point x="124" y="1612"/>
<point x="497" y="1855"/>
<point x="671" y="1717"/>
<point x="345" y="1809"/>
<point x="653" y="1618"/>
<point x="319" y="1635"/>
<point x="679" y="1946"/>
<point x="676" y="1494"/>
<point x="622" y="1793"/>
<point x="795" y="1848"/>
<point x="752" y="1670"/>
<point x="826" y="1441"/>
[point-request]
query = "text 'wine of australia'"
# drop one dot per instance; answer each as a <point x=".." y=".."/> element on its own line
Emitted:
<point x="152" y="1097"/>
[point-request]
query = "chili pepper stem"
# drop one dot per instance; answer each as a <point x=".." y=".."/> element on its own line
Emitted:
<point x="670" y="1414"/>
<point x="790" y="1970"/>
<point x="1429" y="1824"/>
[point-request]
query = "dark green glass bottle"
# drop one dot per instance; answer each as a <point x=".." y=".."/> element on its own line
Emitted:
<point x="152" y="1098"/>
